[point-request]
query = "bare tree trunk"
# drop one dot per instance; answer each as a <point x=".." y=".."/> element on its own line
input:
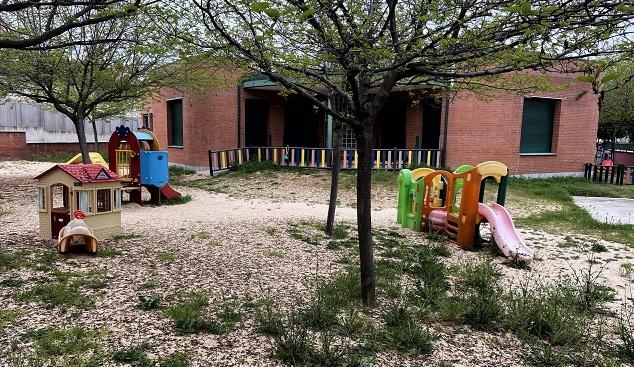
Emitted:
<point x="96" y="136"/>
<point x="364" y="211"/>
<point x="334" y="175"/>
<point x="78" y="121"/>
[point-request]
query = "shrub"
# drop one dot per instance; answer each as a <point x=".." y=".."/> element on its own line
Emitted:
<point x="292" y="344"/>
<point x="268" y="319"/>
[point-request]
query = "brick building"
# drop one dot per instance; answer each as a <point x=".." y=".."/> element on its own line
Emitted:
<point x="552" y="132"/>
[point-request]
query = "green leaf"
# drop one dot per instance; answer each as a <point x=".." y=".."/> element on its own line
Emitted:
<point x="306" y="14"/>
<point x="272" y="13"/>
<point x="525" y="8"/>
<point x="260" y="6"/>
<point x="610" y="77"/>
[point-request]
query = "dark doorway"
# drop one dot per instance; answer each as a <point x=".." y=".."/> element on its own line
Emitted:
<point x="60" y="208"/>
<point x="301" y="124"/>
<point x="256" y="112"/>
<point x="391" y="125"/>
<point x="431" y="123"/>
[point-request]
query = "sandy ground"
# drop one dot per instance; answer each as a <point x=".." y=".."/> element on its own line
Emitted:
<point x="233" y="260"/>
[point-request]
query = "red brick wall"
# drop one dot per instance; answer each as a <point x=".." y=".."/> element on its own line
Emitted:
<point x="210" y="121"/>
<point x="481" y="130"/>
<point x="13" y="146"/>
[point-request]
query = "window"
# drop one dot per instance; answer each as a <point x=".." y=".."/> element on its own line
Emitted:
<point x="348" y="137"/>
<point x="537" y="125"/>
<point x="41" y="198"/>
<point x="104" y="197"/>
<point x="83" y="201"/>
<point x="117" y="198"/>
<point x="148" y="120"/>
<point x="175" y="123"/>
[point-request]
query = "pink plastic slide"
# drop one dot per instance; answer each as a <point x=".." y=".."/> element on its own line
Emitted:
<point x="506" y="236"/>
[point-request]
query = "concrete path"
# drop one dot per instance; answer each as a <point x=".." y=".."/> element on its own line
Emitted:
<point x="609" y="210"/>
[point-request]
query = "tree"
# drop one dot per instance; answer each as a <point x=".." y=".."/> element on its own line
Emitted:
<point x="57" y="17"/>
<point x="371" y="46"/>
<point x="91" y="79"/>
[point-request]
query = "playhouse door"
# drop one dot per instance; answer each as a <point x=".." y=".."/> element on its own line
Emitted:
<point x="58" y="221"/>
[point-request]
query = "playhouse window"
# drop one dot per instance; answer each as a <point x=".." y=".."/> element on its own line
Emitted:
<point x="117" y="198"/>
<point x="83" y="201"/>
<point x="41" y="198"/>
<point x="104" y="200"/>
<point x="537" y="125"/>
<point x="175" y="123"/>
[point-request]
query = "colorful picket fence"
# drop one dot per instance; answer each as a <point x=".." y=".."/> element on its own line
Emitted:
<point x="389" y="159"/>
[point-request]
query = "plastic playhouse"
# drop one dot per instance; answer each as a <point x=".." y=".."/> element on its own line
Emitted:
<point x="452" y="202"/>
<point x="93" y="190"/>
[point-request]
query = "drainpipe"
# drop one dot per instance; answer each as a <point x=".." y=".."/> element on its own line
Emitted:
<point x="444" y="135"/>
<point x="239" y="113"/>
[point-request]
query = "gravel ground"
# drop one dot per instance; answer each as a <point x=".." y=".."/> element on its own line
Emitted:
<point x="232" y="245"/>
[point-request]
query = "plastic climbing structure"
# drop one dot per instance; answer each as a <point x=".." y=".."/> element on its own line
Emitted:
<point x="452" y="203"/>
<point x="137" y="159"/>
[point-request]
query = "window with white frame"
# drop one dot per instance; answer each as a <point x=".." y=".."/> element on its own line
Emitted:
<point x="41" y="198"/>
<point x="348" y="137"/>
<point x="84" y="201"/>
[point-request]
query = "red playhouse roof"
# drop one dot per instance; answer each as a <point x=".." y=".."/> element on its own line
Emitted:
<point x="85" y="173"/>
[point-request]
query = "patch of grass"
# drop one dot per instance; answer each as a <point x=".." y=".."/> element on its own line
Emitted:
<point x="268" y="319"/>
<point x="12" y="282"/>
<point x="273" y="253"/>
<point x="126" y="236"/>
<point x="176" y="359"/>
<point x="177" y="171"/>
<point x="339" y="232"/>
<point x="108" y="252"/>
<point x="403" y="334"/>
<point x="149" y="303"/>
<point x="8" y="317"/>
<point x="250" y="167"/>
<point x="135" y="356"/>
<point x="183" y="199"/>
<point x="12" y="260"/>
<point x="598" y="247"/>
<point x="202" y="235"/>
<point x="270" y="230"/>
<point x="544" y="312"/>
<point x="165" y="256"/>
<point x="56" y="294"/>
<point x="57" y="342"/>
<point x="189" y="315"/>
<point x="56" y="157"/>
<point x="571" y="218"/>
<point x="476" y="297"/>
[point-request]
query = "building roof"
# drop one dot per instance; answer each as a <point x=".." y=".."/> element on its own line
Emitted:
<point x="84" y="173"/>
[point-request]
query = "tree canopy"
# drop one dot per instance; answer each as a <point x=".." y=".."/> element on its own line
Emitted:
<point x="92" y="79"/>
<point x="361" y="50"/>
<point x="32" y="24"/>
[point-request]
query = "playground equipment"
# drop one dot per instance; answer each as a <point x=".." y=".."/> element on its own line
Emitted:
<point x="77" y="232"/>
<point x="451" y="202"/>
<point x="93" y="156"/>
<point x="137" y="159"/>
<point x="90" y="188"/>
